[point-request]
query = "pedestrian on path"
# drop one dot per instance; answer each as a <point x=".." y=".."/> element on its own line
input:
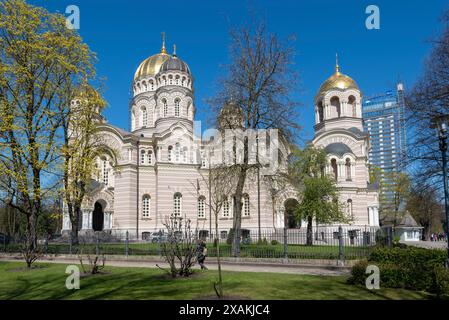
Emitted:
<point x="202" y="254"/>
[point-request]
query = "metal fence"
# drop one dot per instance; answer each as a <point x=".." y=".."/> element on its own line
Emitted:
<point x="336" y="242"/>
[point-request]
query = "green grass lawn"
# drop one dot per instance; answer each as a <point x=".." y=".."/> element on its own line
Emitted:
<point x="248" y="251"/>
<point x="48" y="282"/>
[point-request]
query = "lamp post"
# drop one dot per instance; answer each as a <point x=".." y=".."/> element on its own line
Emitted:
<point x="441" y="124"/>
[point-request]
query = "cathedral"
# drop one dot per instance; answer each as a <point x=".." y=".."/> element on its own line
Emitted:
<point x="160" y="167"/>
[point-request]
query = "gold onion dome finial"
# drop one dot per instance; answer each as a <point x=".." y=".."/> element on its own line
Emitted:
<point x="338" y="81"/>
<point x="151" y="65"/>
<point x="163" y="50"/>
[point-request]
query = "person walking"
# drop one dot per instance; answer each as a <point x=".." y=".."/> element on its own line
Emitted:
<point x="202" y="254"/>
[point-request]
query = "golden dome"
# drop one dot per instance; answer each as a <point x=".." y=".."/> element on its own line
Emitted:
<point x="337" y="81"/>
<point x="151" y="65"/>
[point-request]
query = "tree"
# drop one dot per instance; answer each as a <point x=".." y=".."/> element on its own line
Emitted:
<point x="429" y="98"/>
<point x="426" y="209"/>
<point x="318" y="192"/>
<point x="394" y="193"/>
<point x="259" y="82"/>
<point x="220" y="180"/>
<point x="39" y="59"/>
<point x="82" y="146"/>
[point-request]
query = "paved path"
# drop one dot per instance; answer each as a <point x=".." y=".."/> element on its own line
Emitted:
<point x="428" y="244"/>
<point x="227" y="266"/>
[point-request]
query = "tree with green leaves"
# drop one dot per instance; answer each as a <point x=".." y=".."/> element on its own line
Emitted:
<point x="40" y="61"/>
<point x="82" y="147"/>
<point x="317" y="191"/>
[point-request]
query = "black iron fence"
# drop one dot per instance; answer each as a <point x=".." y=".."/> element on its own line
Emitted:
<point x="336" y="242"/>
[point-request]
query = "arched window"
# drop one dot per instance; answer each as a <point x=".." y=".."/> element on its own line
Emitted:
<point x="177" y="101"/>
<point x="151" y="85"/>
<point x="144" y="117"/>
<point x="226" y="208"/>
<point x="105" y="171"/>
<point x="146" y="206"/>
<point x="348" y="169"/>
<point x="184" y="154"/>
<point x="177" y="204"/>
<point x="350" y="211"/>
<point x="142" y="157"/>
<point x="165" y="106"/>
<point x="336" y="103"/>
<point x="170" y="77"/>
<point x="170" y="153"/>
<point x="320" y="111"/>
<point x="246" y="205"/>
<point x="150" y="157"/>
<point x="353" y="105"/>
<point x="177" y="152"/>
<point x="334" y="168"/>
<point x="201" y="207"/>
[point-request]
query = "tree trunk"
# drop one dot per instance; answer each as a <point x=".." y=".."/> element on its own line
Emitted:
<point x="309" y="241"/>
<point x="74" y="220"/>
<point x="237" y="223"/>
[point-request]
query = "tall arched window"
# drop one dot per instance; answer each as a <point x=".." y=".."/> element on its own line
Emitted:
<point x="335" y="101"/>
<point x="226" y="208"/>
<point x="177" y="152"/>
<point x="348" y="169"/>
<point x="165" y="106"/>
<point x="142" y="157"/>
<point x="201" y="207"/>
<point x="177" y="204"/>
<point x="350" y="211"/>
<point x="150" y="157"/>
<point x="105" y="171"/>
<point x="353" y="105"/>
<point x="177" y="101"/>
<point x="320" y="111"/>
<point x="170" y="153"/>
<point x="151" y="85"/>
<point x="246" y="205"/>
<point x="144" y="117"/>
<point x="146" y="206"/>
<point x="334" y="168"/>
<point x="184" y="154"/>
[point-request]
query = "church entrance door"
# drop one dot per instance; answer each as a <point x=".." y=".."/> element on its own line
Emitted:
<point x="97" y="217"/>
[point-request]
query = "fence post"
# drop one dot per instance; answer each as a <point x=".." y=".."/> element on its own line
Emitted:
<point x="285" y="244"/>
<point x="341" y="255"/>
<point x="46" y="244"/>
<point x="70" y="243"/>
<point x="127" y="244"/>
<point x="97" y="248"/>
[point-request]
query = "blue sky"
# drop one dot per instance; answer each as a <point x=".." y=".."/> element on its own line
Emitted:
<point x="123" y="33"/>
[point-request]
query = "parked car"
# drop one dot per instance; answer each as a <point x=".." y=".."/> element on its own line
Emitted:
<point x="159" y="237"/>
<point x="4" y="239"/>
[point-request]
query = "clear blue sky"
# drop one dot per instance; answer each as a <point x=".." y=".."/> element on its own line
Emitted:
<point x="123" y="33"/>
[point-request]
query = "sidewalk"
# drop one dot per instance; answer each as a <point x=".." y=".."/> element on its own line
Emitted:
<point x="308" y="269"/>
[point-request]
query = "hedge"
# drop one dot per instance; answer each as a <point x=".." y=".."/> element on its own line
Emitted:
<point x="409" y="268"/>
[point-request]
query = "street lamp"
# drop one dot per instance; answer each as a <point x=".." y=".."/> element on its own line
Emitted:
<point x="441" y="123"/>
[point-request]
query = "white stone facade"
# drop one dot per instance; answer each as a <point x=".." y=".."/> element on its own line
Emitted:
<point x="160" y="168"/>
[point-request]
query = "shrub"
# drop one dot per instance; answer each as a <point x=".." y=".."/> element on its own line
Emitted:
<point x="274" y="242"/>
<point x="409" y="268"/>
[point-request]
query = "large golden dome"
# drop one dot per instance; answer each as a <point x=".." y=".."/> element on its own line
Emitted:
<point x="337" y="81"/>
<point x="150" y="66"/>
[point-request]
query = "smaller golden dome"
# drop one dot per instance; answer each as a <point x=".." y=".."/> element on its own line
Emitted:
<point x="337" y="81"/>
